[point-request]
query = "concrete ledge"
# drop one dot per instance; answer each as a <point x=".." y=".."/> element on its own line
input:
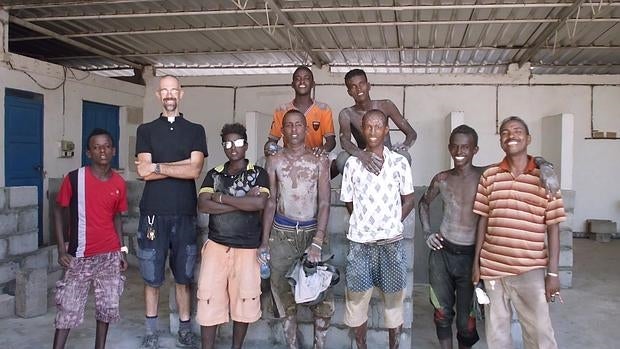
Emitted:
<point x="566" y="278"/>
<point x="38" y="259"/>
<point x="22" y="197"/>
<point x="31" y="292"/>
<point x="2" y="198"/>
<point x="600" y="237"/>
<point x="23" y="243"/>
<point x="4" y="248"/>
<point x="28" y="220"/>
<point x="8" y="271"/>
<point x="8" y="223"/>
<point x="566" y="257"/>
<point x="7" y="306"/>
<point x="601" y="226"/>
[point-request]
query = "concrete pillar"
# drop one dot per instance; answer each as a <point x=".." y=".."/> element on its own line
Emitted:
<point x="4" y="35"/>
<point x="256" y="123"/>
<point x="151" y="107"/>
<point x="31" y="292"/>
<point x="557" y="147"/>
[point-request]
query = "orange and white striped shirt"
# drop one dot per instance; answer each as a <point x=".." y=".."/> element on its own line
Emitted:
<point x="519" y="213"/>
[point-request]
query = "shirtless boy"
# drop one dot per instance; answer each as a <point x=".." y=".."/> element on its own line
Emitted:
<point x="453" y="247"/>
<point x="350" y="120"/>
<point x="295" y="219"/>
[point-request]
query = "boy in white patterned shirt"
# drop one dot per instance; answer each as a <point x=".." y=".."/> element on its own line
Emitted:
<point x="377" y="257"/>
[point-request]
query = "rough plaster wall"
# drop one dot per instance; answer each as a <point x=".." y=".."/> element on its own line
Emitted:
<point x="427" y="106"/>
<point x="596" y="196"/>
<point x="212" y="113"/>
<point x="91" y="88"/>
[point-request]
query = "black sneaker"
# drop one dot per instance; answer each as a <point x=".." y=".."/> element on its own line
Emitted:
<point x="150" y="341"/>
<point x="187" y="339"/>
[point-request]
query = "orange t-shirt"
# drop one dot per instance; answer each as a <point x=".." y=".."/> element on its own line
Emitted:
<point x="318" y="118"/>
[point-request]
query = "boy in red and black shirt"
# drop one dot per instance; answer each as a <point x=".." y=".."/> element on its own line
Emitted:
<point x="94" y="197"/>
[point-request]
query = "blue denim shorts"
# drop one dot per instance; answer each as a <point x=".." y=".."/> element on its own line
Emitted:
<point x="176" y="234"/>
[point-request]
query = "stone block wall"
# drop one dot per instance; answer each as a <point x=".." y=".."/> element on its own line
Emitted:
<point x="20" y="253"/>
<point x="338" y="225"/>
<point x="271" y="330"/>
<point x="566" y="240"/>
<point x="338" y="335"/>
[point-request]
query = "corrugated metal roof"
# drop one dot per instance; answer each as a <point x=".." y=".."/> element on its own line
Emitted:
<point x="423" y="36"/>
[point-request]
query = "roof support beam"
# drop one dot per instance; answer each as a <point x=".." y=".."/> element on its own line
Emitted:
<point x="303" y="41"/>
<point x="404" y="8"/>
<point x="18" y="5"/>
<point x="548" y="32"/>
<point x="72" y="42"/>
<point x="342" y="50"/>
<point x="327" y="25"/>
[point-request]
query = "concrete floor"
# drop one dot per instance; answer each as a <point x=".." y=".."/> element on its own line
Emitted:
<point x="587" y="319"/>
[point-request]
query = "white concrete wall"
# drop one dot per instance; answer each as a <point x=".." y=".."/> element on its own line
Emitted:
<point x="429" y="99"/>
<point x="82" y="87"/>
<point x="425" y="100"/>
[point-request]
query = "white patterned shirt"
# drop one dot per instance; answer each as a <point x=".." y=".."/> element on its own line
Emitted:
<point x="376" y="200"/>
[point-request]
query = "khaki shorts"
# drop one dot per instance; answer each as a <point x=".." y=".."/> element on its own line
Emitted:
<point x="229" y="281"/>
<point x="356" y="312"/>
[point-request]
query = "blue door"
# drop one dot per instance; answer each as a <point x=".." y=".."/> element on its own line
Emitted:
<point x="99" y="115"/>
<point x="23" y="143"/>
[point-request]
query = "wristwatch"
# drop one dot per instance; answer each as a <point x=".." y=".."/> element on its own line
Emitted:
<point x="125" y="249"/>
<point x="157" y="169"/>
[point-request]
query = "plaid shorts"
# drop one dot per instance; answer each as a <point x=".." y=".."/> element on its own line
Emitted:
<point x="103" y="272"/>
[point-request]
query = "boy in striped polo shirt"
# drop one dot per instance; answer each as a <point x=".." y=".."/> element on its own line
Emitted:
<point x="516" y="216"/>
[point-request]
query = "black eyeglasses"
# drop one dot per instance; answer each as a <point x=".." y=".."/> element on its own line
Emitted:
<point x="237" y="142"/>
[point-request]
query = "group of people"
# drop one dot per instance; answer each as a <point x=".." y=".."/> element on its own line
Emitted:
<point x="500" y="224"/>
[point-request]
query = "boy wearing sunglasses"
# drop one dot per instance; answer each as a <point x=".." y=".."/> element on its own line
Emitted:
<point x="229" y="282"/>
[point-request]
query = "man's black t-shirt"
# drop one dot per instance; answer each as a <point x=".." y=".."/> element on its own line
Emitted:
<point x="239" y="229"/>
<point x="170" y="142"/>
